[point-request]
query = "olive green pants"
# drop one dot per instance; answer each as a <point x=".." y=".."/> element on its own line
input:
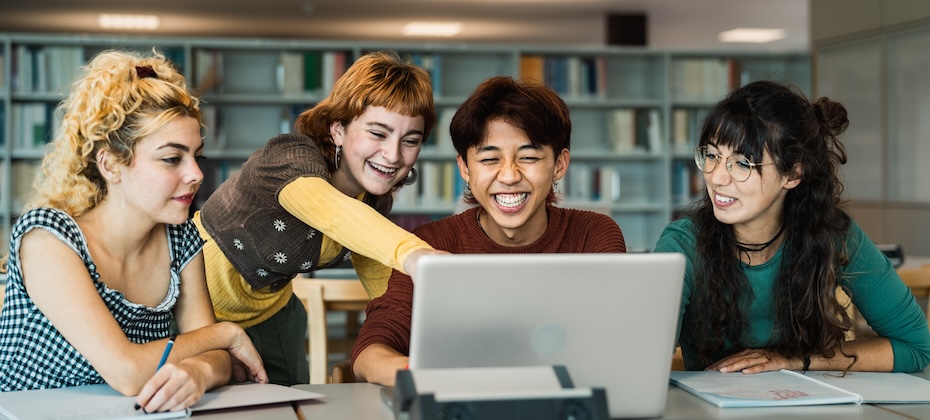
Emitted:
<point x="280" y="341"/>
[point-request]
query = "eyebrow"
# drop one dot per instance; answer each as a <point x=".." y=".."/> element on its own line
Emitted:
<point x="391" y="129"/>
<point x="528" y="146"/>
<point x="180" y="147"/>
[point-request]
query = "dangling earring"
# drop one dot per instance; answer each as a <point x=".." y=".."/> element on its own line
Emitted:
<point x="555" y="186"/>
<point x="336" y="158"/>
<point x="467" y="186"/>
<point x="411" y="176"/>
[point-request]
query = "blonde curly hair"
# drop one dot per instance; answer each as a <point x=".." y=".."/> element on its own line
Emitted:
<point x="119" y="98"/>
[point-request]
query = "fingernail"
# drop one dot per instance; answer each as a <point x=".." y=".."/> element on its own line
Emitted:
<point x="724" y="370"/>
<point x="137" y="406"/>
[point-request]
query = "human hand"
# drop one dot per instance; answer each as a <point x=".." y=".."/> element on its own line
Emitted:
<point x="246" y="362"/>
<point x="756" y="361"/>
<point x="410" y="265"/>
<point x="173" y="387"/>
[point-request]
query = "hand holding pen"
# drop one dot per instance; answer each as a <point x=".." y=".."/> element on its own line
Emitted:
<point x="161" y="362"/>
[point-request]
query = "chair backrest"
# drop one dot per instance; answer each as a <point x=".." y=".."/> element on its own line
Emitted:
<point x="918" y="280"/>
<point x="319" y="296"/>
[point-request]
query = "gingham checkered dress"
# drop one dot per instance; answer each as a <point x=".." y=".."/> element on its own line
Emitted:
<point x="33" y="354"/>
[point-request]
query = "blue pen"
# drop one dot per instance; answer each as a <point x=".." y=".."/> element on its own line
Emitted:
<point x="164" y="356"/>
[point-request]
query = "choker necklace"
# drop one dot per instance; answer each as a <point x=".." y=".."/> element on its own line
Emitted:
<point x="745" y="247"/>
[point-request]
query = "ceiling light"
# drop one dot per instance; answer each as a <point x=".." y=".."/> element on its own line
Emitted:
<point x="144" y="22"/>
<point x="751" y="35"/>
<point x="432" y="29"/>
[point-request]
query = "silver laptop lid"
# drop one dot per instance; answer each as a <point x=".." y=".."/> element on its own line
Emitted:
<point x="609" y="318"/>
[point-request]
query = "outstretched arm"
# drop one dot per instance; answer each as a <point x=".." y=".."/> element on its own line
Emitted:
<point x="352" y="223"/>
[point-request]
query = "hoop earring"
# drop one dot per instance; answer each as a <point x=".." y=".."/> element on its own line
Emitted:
<point x="412" y="176"/>
<point x="336" y="157"/>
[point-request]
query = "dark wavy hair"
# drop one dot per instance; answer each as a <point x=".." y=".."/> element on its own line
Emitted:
<point x="766" y="116"/>
<point x="525" y="104"/>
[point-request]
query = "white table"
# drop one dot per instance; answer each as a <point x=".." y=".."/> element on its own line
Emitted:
<point x="363" y="401"/>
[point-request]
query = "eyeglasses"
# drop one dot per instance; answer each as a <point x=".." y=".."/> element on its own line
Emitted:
<point x="738" y="166"/>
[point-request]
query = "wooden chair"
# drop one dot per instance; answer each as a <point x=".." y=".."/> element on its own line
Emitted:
<point x="342" y="373"/>
<point x="918" y="280"/>
<point x="678" y="363"/>
<point x="320" y="296"/>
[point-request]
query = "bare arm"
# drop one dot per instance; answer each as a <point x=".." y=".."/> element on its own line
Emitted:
<point x="175" y="386"/>
<point x="874" y="355"/>
<point x="65" y="293"/>
<point x="379" y="364"/>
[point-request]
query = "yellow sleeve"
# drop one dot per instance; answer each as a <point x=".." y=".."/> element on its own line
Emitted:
<point x="374" y="275"/>
<point x="349" y="222"/>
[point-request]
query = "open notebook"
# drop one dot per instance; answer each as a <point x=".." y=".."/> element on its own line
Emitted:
<point x="787" y="388"/>
<point x="101" y="402"/>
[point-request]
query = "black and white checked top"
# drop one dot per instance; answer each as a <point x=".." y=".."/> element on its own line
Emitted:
<point x="33" y="354"/>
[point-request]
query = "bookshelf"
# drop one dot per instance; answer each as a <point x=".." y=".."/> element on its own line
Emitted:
<point x="635" y="112"/>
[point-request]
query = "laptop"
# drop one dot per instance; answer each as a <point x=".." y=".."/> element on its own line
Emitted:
<point x="611" y="319"/>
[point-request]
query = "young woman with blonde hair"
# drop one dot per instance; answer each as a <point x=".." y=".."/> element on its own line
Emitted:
<point x="106" y="257"/>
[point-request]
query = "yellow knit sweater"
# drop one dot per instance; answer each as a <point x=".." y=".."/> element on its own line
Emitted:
<point x="377" y="244"/>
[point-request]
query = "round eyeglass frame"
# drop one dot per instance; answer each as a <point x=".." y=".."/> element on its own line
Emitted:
<point x="700" y="155"/>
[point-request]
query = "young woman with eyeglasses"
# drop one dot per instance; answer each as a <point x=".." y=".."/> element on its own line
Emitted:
<point x="769" y="244"/>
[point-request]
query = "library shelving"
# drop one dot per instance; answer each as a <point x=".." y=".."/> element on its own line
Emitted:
<point x="635" y="112"/>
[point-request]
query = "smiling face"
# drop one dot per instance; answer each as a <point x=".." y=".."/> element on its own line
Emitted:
<point x="164" y="175"/>
<point x="510" y="178"/>
<point x="753" y="207"/>
<point x="378" y="150"/>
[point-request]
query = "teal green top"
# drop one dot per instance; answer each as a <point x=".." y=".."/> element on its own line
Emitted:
<point x="875" y="288"/>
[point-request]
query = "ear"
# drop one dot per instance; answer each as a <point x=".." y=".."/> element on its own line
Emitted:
<point x="794" y="178"/>
<point x="463" y="167"/>
<point x="337" y="131"/>
<point x="108" y="167"/>
<point x="561" y="164"/>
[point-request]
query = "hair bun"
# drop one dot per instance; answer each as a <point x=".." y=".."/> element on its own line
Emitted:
<point x="832" y="115"/>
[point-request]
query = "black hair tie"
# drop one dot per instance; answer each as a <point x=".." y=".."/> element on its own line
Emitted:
<point x="146" y="71"/>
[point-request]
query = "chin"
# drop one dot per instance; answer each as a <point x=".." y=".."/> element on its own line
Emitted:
<point x="380" y="189"/>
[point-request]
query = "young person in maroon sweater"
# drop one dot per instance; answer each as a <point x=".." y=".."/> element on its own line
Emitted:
<point x="513" y="140"/>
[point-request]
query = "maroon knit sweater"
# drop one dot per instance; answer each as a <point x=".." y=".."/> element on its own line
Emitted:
<point x="569" y="231"/>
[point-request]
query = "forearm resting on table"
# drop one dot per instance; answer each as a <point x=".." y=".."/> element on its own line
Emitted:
<point x="215" y="365"/>
<point x="349" y="222"/>
<point x="136" y="363"/>
<point x="379" y="364"/>
<point x="874" y="354"/>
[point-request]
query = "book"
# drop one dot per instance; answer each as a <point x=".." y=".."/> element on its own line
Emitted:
<point x="787" y="388"/>
<point x="103" y="402"/>
<point x="879" y="387"/>
<point x="531" y="68"/>
<point x="766" y="389"/>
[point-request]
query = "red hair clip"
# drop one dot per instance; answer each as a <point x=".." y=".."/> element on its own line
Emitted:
<point x="146" y="71"/>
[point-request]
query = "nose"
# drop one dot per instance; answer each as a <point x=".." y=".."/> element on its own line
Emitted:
<point x="509" y="173"/>
<point x="195" y="175"/>
<point x="720" y="175"/>
<point x="390" y="151"/>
